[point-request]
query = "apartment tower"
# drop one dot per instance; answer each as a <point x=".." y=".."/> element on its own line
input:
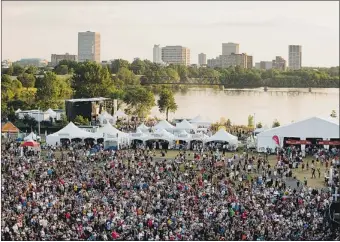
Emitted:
<point x="157" y="54"/>
<point x="202" y="59"/>
<point x="230" y="48"/>
<point x="89" y="46"/>
<point x="295" y="57"/>
<point x="176" y="55"/>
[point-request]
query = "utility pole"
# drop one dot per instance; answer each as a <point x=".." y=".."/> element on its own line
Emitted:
<point x="39" y="120"/>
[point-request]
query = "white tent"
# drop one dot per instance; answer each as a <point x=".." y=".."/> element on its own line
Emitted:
<point x="163" y="124"/>
<point x="199" y="121"/>
<point x="70" y="131"/>
<point x="120" y="114"/>
<point x="223" y="135"/>
<point x="315" y="127"/>
<point x="143" y="128"/>
<point x="105" y="118"/>
<point x="183" y="135"/>
<point x="32" y="136"/>
<point x="108" y="132"/>
<point x="185" y="125"/>
<point x="161" y="134"/>
<point x="139" y="135"/>
<point x="51" y="113"/>
<point x="18" y="111"/>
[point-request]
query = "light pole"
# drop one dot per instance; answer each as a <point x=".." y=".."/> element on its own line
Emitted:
<point x="254" y="124"/>
<point x="39" y="120"/>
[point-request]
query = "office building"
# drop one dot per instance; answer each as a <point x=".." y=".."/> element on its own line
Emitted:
<point x="266" y="65"/>
<point x="295" y="57"/>
<point x="202" y="59"/>
<point x="214" y="62"/>
<point x="279" y="63"/>
<point x="230" y="48"/>
<point x="88" y="46"/>
<point x="55" y="58"/>
<point x="176" y="55"/>
<point x="157" y="54"/>
<point x="249" y="60"/>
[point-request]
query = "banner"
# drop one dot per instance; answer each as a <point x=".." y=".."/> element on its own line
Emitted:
<point x="328" y="142"/>
<point x="276" y="140"/>
<point x="298" y="142"/>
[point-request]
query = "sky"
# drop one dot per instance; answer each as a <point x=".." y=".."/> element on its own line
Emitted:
<point x="130" y="29"/>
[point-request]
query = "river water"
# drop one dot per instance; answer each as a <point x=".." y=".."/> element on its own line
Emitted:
<point x="284" y="104"/>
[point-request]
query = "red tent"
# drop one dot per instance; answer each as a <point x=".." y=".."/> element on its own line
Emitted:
<point x="31" y="143"/>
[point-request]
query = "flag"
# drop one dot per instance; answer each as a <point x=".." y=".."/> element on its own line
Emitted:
<point x="276" y="140"/>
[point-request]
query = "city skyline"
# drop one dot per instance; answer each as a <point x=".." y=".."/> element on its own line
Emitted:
<point x="247" y="23"/>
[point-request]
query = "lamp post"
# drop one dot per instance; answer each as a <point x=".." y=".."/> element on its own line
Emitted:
<point x="254" y="124"/>
<point x="39" y="120"/>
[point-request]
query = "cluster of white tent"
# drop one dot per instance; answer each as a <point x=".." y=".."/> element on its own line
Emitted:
<point x="105" y="117"/>
<point x="183" y="131"/>
<point x="40" y="115"/>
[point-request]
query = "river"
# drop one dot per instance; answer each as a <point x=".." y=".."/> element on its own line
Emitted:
<point x="284" y="104"/>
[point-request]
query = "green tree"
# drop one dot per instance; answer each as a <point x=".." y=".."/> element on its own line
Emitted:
<point x="117" y="64"/>
<point x="139" y="101"/>
<point x="138" y="67"/>
<point x="276" y="123"/>
<point x="80" y="120"/>
<point x="63" y="120"/>
<point x="92" y="80"/>
<point x="333" y="114"/>
<point x="127" y="76"/>
<point x="259" y="125"/>
<point x="250" y="121"/>
<point x="61" y="69"/>
<point x="9" y="71"/>
<point x="172" y="74"/>
<point x="166" y="102"/>
<point x="228" y="123"/>
<point x="18" y="70"/>
<point x="27" y="80"/>
<point x="32" y="70"/>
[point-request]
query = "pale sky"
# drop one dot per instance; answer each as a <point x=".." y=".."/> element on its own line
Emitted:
<point x="130" y="29"/>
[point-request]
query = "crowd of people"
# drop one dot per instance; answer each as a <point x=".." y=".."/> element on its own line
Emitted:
<point x="132" y="194"/>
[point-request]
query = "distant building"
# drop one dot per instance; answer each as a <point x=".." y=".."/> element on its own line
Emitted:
<point x="55" y="58"/>
<point x="258" y="65"/>
<point x="157" y="54"/>
<point x="230" y="48"/>
<point x="266" y="65"/>
<point x="240" y="60"/>
<point x="202" y="59"/>
<point x="214" y="62"/>
<point x="295" y="57"/>
<point x="279" y="63"/>
<point x="32" y="62"/>
<point x="6" y="64"/>
<point x="249" y="60"/>
<point x="176" y="55"/>
<point x="89" y="46"/>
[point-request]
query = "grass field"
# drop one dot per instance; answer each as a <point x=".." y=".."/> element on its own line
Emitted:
<point x="299" y="173"/>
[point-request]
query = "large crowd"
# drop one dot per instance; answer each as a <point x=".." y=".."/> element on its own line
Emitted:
<point x="66" y="194"/>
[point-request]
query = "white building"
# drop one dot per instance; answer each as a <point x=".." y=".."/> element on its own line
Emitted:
<point x="230" y="48"/>
<point x="55" y="58"/>
<point x="157" y="54"/>
<point x="295" y="57"/>
<point x="202" y="59"/>
<point x="89" y="46"/>
<point x="178" y="55"/>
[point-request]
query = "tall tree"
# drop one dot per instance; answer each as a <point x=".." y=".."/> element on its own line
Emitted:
<point x="127" y="76"/>
<point x="90" y="79"/>
<point x="18" y="70"/>
<point x="138" y="67"/>
<point x="166" y="102"/>
<point x="118" y="64"/>
<point x="27" y="80"/>
<point x="139" y="101"/>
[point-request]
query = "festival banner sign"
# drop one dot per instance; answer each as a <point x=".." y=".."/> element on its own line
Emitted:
<point x="328" y="142"/>
<point x="276" y="140"/>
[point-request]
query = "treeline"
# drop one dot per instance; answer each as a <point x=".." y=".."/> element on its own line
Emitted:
<point x="32" y="88"/>
<point x="149" y="72"/>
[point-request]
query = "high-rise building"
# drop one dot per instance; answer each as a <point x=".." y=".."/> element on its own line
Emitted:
<point x="230" y="48"/>
<point x="89" y="46"/>
<point x="266" y="65"/>
<point x="176" y="55"/>
<point x="202" y="59"/>
<point x="214" y="62"/>
<point x="249" y="59"/>
<point x="55" y="58"/>
<point x="157" y="54"/>
<point x="279" y="63"/>
<point x="295" y="57"/>
<point x="240" y="60"/>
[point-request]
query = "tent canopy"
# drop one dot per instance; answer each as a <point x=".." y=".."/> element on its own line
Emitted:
<point x="9" y="128"/>
<point x="72" y="131"/>
<point x="120" y="114"/>
<point x="185" y="125"/>
<point x="200" y="121"/>
<point x="106" y="116"/>
<point x="18" y="111"/>
<point x="51" y="113"/>
<point x="142" y="127"/>
<point x="163" y="124"/>
<point x="110" y="130"/>
<point x="315" y="127"/>
<point x="223" y="135"/>
<point x="32" y="136"/>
